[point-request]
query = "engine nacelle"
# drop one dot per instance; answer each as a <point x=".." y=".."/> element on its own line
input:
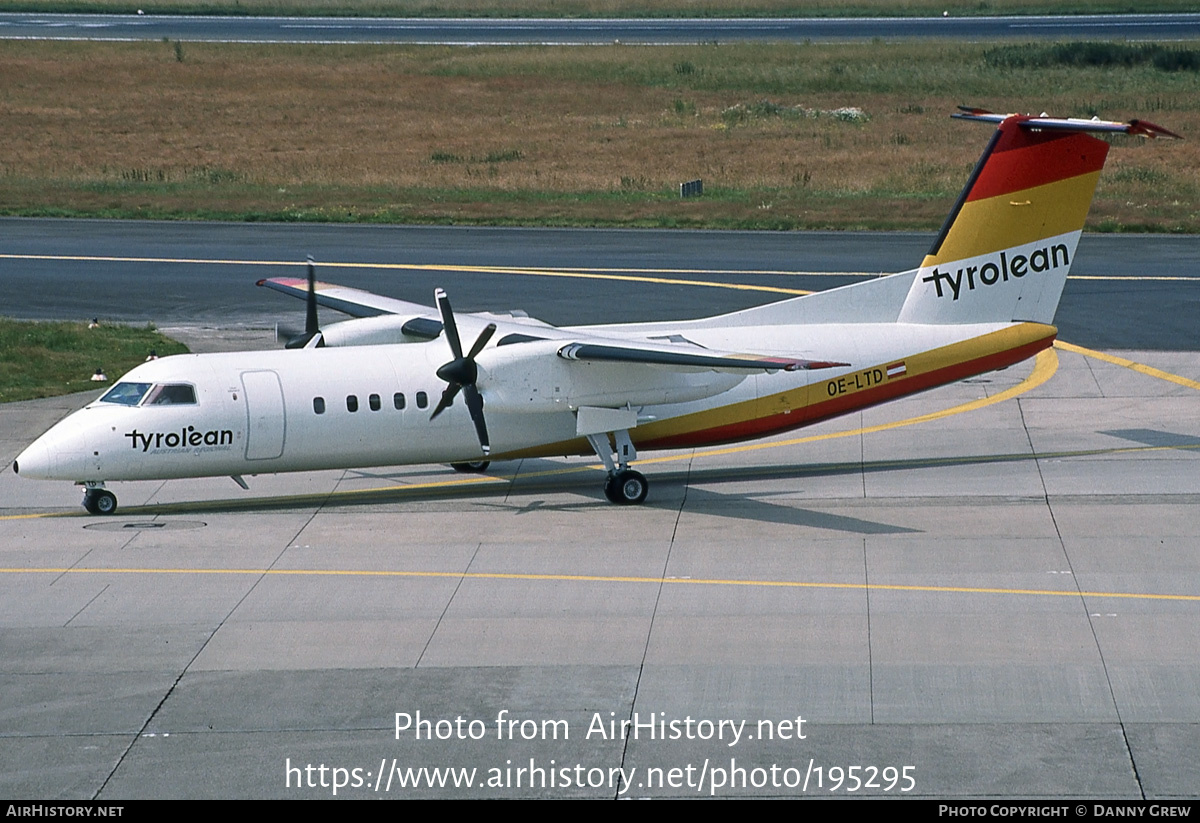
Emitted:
<point x="381" y="329"/>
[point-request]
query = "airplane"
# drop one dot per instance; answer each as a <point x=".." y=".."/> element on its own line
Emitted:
<point x="381" y="389"/>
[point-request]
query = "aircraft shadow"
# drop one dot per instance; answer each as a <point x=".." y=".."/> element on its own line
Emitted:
<point x="1156" y="438"/>
<point x="697" y="489"/>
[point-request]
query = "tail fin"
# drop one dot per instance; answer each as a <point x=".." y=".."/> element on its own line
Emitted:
<point x="1007" y="246"/>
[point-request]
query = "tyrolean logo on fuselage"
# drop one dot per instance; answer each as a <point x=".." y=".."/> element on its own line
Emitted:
<point x="187" y="438"/>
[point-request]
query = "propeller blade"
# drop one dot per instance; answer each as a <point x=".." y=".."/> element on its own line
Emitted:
<point x="448" y="396"/>
<point x="475" y="406"/>
<point x="480" y="342"/>
<point x="311" y="337"/>
<point x="284" y="332"/>
<point x="311" y="326"/>
<point x="448" y="324"/>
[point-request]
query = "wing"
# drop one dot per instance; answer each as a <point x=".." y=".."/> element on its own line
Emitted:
<point x="567" y="370"/>
<point x="401" y="321"/>
<point x="354" y="302"/>
<point x="687" y="358"/>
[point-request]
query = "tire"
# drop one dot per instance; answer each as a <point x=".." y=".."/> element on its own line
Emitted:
<point x="610" y="489"/>
<point x="100" y="501"/>
<point x="628" y="487"/>
<point x="473" y="467"/>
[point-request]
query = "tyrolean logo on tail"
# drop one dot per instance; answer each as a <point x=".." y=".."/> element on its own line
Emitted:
<point x="993" y="271"/>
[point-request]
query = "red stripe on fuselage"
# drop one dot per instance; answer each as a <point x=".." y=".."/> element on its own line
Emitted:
<point x="835" y="407"/>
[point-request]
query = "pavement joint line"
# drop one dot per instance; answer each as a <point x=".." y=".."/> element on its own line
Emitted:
<point x="599" y="578"/>
<point x="1141" y="368"/>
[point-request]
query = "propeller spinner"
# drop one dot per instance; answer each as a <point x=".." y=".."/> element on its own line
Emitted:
<point x="461" y="373"/>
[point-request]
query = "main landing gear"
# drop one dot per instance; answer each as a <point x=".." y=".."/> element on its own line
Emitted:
<point x="473" y="467"/>
<point x="99" y="500"/>
<point x="623" y="486"/>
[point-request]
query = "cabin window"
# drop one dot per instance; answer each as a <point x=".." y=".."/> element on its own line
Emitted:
<point x="373" y="400"/>
<point x="398" y="401"/>
<point x="351" y="403"/>
<point x="319" y="405"/>
<point x="422" y="400"/>
<point x="126" y="394"/>
<point x="172" y="394"/>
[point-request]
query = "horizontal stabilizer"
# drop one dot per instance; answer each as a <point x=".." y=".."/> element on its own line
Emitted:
<point x="1142" y="128"/>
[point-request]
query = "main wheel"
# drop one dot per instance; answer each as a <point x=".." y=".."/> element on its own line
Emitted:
<point x="610" y="488"/>
<point x="100" y="501"/>
<point x="626" y="487"/>
<point x="474" y="467"/>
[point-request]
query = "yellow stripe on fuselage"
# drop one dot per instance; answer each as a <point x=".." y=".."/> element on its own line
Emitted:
<point x="825" y="398"/>
<point x="1010" y="220"/>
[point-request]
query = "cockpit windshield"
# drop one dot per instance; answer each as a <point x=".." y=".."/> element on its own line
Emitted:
<point x="126" y="394"/>
<point x="171" y="394"/>
<point x="162" y="394"/>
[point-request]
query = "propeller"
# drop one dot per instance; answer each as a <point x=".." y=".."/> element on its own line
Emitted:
<point x="312" y="337"/>
<point x="461" y="373"/>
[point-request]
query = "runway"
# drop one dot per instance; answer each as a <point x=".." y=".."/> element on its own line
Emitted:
<point x="510" y="31"/>
<point x="988" y="590"/>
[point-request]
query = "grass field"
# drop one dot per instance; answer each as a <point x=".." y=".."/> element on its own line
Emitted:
<point x="49" y="359"/>
<point x="605" y="8"/>
<point x="556" y="136"/>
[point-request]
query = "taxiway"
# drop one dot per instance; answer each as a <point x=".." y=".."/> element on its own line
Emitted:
<point x="994" y="584"/>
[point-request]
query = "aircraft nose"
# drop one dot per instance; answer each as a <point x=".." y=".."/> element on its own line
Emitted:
<point x="59" y="454"/>
<point x="36" y="461"/>
<point x="31" y="462"/>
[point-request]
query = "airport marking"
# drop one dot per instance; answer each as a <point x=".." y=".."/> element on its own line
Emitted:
<point x="599" y="578"/>
<point x="1141" y="368"/>
<point x="635" y="275"/>
<point x="581" y="274"/>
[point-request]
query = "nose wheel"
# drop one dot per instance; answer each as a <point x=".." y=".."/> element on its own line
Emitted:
<point x="99" y="501"/>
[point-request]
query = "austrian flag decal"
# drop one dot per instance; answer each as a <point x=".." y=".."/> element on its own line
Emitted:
<point x="896" y="370"/>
